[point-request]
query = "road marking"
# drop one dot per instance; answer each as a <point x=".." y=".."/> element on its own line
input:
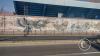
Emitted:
<point x="75" y="54"/>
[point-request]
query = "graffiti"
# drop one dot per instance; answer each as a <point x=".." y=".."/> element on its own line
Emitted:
<point x="81" y="27"/>
<point x="87" y="25"/>
<point x="97" y="26"/>
<point x="28" y="25"/>
<point x="40" y="23"/>
<point x="57" y="25"/>
<point x="61" y="27"/>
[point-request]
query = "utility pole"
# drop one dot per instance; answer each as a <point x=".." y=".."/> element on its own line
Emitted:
<point x="26" y="30"/>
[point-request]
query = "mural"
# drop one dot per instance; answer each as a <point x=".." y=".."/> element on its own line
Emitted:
<point x="49" y="24"/>
<point x="28" y="25"/>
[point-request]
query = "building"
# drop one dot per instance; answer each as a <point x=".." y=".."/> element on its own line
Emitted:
<point x="55" y="8"/>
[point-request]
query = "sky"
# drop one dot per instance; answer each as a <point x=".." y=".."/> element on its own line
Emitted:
<point x="7" y="5"/>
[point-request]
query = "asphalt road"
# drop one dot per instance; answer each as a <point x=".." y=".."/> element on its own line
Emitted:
<point x="47" y="50"/>
<point x="23" y="38"/>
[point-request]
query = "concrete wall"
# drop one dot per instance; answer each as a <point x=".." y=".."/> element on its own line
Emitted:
<point x="20" y="25"/>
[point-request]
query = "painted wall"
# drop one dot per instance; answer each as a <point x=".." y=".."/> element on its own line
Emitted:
<point x="20" y="25"/>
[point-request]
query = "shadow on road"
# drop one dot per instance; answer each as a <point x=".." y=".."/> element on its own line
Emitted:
<point x="96" y="46"/>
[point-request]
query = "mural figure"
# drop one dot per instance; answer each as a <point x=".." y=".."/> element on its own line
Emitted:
<point x="25" y="24"/>
<point x="28" y="25"/>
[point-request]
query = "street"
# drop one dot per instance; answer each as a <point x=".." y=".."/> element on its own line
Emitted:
<point x="47" y="50"/>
